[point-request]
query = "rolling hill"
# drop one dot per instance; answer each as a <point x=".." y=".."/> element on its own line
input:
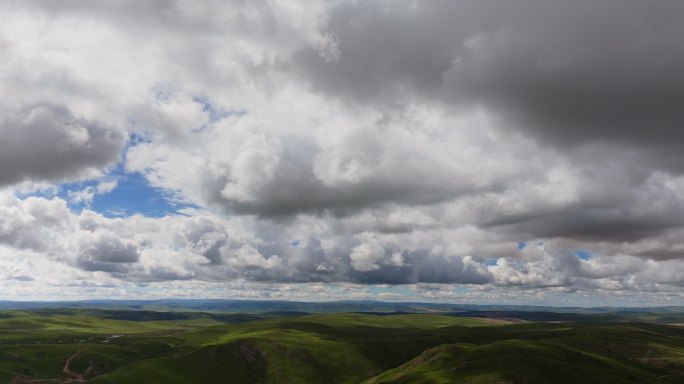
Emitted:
<point x="106" y="346"/>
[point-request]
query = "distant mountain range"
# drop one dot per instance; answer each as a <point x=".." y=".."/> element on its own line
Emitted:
<point x="264" y="306"/>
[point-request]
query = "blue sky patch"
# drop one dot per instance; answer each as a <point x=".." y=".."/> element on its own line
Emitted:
<point x="584" y="255"/>
<point x="214" y="111"/>
<point x="390" y="289"/>
<point x="132" y="195"/>
<point x="489" y="262"/>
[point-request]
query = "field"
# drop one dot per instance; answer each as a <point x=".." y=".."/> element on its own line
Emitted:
<point x="106" y="346"/>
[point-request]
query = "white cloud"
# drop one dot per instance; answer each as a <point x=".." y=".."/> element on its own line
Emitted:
<point x="397" y="144"/>
<point x="87" y="194"/>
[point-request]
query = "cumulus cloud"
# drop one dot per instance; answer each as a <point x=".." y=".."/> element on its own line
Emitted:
<point x="87" y="194"/>
<point x="210" y="248"/>
<point x="349" y="142"/>
<point x="574" y="72"/>
<point x="47" y="142"/>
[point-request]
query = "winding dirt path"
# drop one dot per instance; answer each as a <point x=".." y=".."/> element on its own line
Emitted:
<point x="77" y="377"/>
<point x="74" y="377"/>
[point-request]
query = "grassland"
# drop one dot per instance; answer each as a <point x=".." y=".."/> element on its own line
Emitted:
<point x="105" y="346"/>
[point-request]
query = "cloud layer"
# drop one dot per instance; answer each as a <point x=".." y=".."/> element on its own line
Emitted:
<point x="470" y="144"/>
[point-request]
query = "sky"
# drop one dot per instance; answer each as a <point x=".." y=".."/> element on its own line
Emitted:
<point x="465" y="151"/>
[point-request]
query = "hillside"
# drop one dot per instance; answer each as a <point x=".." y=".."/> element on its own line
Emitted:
<point x="104" y="346"/>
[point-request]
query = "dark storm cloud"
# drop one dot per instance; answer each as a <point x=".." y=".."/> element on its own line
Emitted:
<point x="616" y="201"/>
<point x="569" y="72"/>
<point x="599" y="80"/>
<point x="46" y="142"/>
<point x="613" y="224"/>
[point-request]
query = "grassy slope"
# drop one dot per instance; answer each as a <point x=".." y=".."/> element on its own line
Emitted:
<point x="37" y="346"/>
<point x="334" y="348"/>
<point x="622" y="353"/>
<point x="343" y="348"/>
<point x="350" y="348"/>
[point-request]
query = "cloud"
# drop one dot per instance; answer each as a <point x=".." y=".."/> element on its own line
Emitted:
<point x="87" y="194"/>
<point x="106" y="252"/>
<point x="366" y="256"/>
<point x="46" y="142"/>
<point x="569" y="73"/>
<point x="33" y="223"/>
<point x="173" y="252"/>
<point x="250" y="164"/>
<point x="348" y="143"/>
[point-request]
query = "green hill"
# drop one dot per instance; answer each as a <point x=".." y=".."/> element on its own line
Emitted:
<point x="109" y="346"/>
<point x="513" y="361"/>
